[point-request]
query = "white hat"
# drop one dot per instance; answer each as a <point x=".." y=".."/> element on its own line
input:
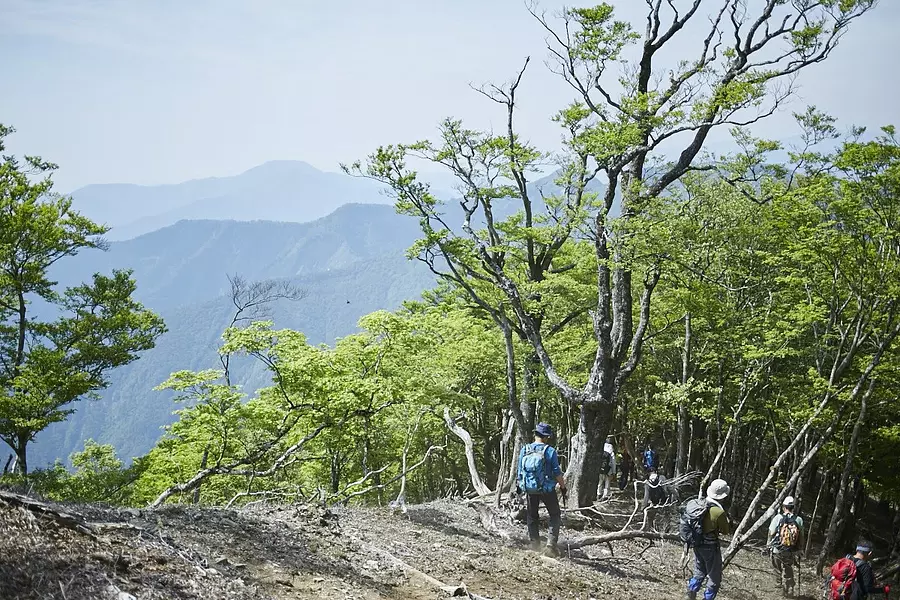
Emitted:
<point x="789" y="501"/>
<point x="654" y="478"/>
<point x="718" y="489"/>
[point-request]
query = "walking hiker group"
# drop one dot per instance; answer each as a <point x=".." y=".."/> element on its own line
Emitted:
<point x="703" y="523"/>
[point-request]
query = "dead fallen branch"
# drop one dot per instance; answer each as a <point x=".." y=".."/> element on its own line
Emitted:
<point x="64" y="519"/>
<point x="456" y="591"/>
<point x="616" y="536"/>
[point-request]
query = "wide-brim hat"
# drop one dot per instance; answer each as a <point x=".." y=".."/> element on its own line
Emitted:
<point x="544" y="430"/>
<point x="718" y="490"/>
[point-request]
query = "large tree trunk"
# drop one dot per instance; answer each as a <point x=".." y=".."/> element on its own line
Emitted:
<point x="837" y="515"/>
<point x="583" y="474"/>
<point x="681" y="433"/>
<point x="21" y="450"/>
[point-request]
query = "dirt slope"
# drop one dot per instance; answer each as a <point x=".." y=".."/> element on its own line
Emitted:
<point x="303" y="552"/>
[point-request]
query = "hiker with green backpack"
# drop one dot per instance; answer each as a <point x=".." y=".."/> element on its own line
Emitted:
<point x="786" y="543"/>
<point x="703" y="522"/>
<point x="538" y="475"/>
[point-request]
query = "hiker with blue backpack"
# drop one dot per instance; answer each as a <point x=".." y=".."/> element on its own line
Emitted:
<point x="538" y="476"/>
<point x="702" y="524"/>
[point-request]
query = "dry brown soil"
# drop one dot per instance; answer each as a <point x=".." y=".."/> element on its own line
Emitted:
<point x="278" y="552"/>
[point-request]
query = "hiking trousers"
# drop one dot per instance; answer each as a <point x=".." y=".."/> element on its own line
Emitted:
<point x="707" y="565"/>
<point x="603" y="488"/>
<point x="784" y="562"/>
<point x="552" y="503"/>
<point x="624" y="473"/>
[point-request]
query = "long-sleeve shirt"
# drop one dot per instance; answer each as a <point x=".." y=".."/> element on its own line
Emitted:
<point x="865" y="580"/>
<point x="552" y="465"/>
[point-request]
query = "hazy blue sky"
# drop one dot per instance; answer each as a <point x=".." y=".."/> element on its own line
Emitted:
<point x="161" y="91"/>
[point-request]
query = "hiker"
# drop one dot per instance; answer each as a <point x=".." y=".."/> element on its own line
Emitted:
<point x="702" y="524"/>
<point x="656" y="490"/>
<point x="607" y="469"/>
<point x="649" y="460"/>
<point x="786" y="542"/>
<point x="538" y="476"/>
<point x="625" y="467"/>
<point x="854" y="572"/>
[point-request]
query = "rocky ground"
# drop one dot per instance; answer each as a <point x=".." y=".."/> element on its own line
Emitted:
<point x="269" y="552"/>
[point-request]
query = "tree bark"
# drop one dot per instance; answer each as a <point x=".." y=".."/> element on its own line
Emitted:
<point x="681" y="434"/>
<point x="583" y="473"/>
<point x="477" y="484"/>
<point x="837" y="514"/>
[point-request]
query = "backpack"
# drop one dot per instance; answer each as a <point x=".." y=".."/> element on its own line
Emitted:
<point x="690" y="526"/>
<point x="843" y="577"/>
<point x="605" y="463"/>
<point x="650" y="459"/>
<point x="788" y="534"/>
<point x="533" y="469"/>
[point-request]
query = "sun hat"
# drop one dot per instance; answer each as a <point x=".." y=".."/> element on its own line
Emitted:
<point x="718" y="490"/>
<point x="544" y="430"/>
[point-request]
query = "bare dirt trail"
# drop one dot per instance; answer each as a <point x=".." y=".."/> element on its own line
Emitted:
<point x="306" y="552"/>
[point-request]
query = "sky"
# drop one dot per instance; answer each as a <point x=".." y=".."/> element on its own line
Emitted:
<point x="162" y="91"/>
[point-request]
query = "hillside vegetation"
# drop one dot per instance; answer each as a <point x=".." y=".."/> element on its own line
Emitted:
<point x="739" y="314"/>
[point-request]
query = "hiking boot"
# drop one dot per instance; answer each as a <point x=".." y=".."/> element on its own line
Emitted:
<point x="551" y="551"/>
<point x="691" y="596"/>
<point x="535" y="545"/>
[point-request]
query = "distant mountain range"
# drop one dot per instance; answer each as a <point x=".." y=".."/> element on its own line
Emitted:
<point x="274" y="191"/>
<point x="349" y="263"/>
<point x="334" y="236"/>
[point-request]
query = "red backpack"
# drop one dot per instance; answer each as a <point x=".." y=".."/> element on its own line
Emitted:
<point x="843" y="576"/>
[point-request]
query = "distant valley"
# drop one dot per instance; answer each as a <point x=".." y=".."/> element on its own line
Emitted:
<point x="350" y="261"/>
<point x="332" y="235"/>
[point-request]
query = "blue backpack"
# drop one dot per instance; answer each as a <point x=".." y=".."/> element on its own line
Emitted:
<point x="650" y="459"/>
<point x="533" y="469"/>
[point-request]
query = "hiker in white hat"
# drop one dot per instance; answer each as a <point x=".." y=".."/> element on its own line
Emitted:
<point x="707" y="553"/>
<point x="786" y="542"/>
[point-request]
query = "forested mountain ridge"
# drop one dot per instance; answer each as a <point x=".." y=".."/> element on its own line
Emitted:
<point x="348" y="264"/>
<point x="187" y="261"/>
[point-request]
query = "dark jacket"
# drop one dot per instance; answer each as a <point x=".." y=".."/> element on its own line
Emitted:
<point x="865" y="580"/>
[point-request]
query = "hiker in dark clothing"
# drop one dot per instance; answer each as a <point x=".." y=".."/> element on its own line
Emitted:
<point x="708" y="554"/>
<point x="626" y="464"/>
<point x="865" y="577"/>
<point x="538" y="475"/>
<point x="656" y="490"/>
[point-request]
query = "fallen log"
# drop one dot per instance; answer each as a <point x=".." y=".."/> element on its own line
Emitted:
<point x="456" y="591"/>
<point x="63" y="518"/>
<point x="616" y="536"/>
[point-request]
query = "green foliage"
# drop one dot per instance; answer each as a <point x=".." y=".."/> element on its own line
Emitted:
<point x="99" y="476"/>
<point x="48" y="363"/>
